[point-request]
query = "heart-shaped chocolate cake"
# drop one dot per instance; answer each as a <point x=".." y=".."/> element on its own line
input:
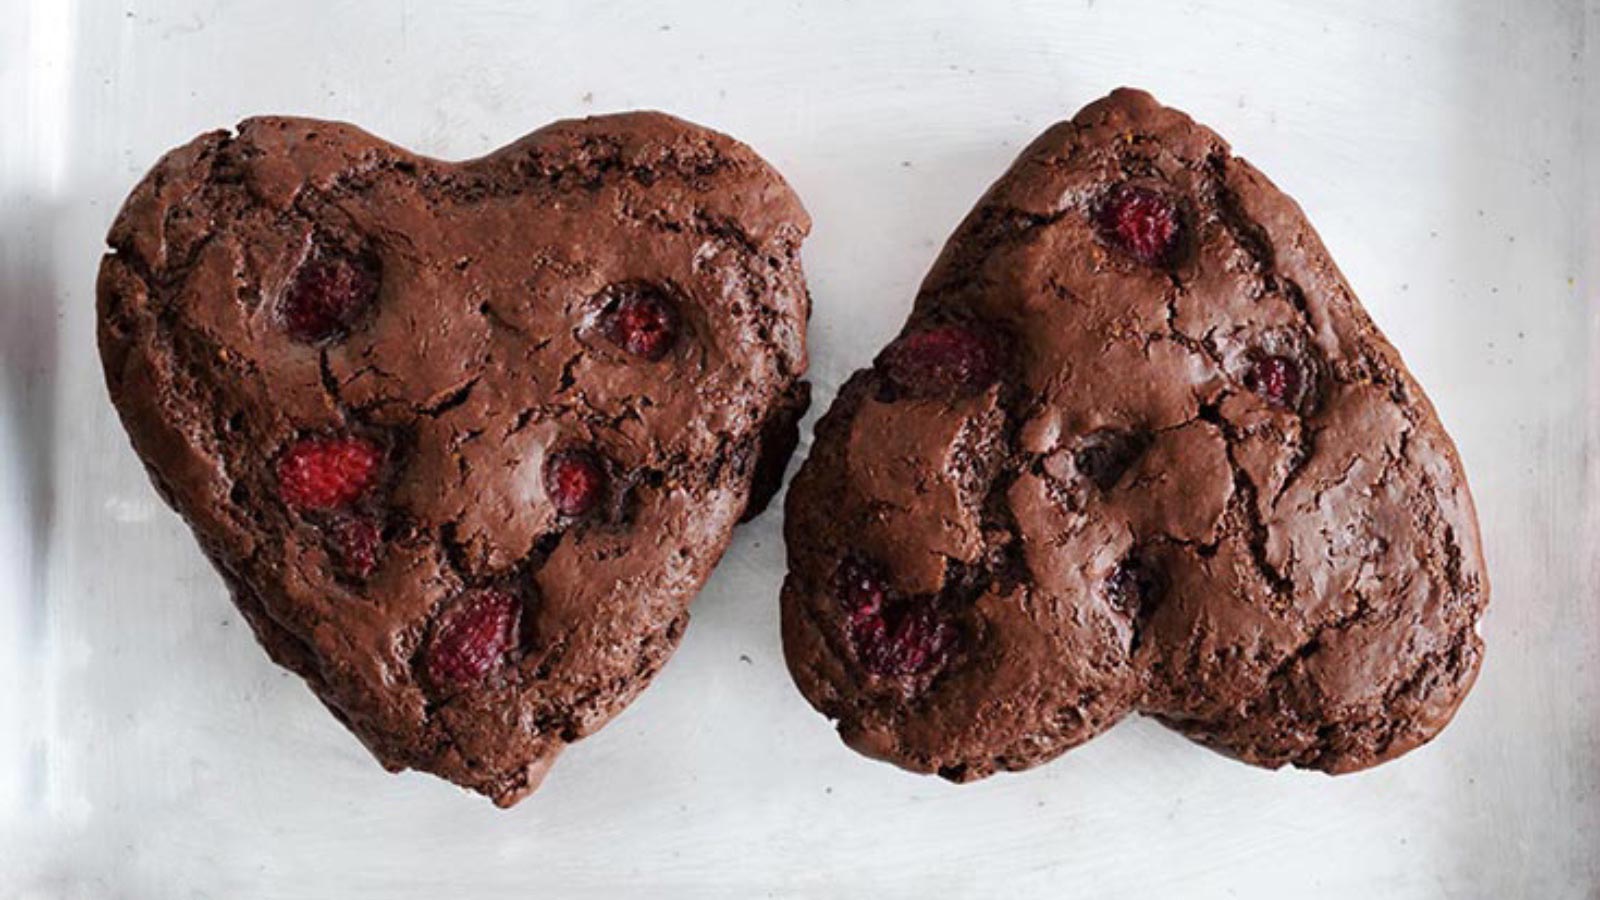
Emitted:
<point x="1138" y="448"/>
<point x="464" y="440"/>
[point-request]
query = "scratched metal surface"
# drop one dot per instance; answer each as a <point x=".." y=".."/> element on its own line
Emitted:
<point x="1445" y="148"/>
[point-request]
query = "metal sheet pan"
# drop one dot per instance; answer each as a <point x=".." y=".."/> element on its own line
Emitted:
<point x="1445" y="148"/>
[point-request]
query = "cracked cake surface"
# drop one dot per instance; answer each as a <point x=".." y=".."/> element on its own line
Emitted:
<point x="1138" y="448"/>
<point x="463" y="439"/>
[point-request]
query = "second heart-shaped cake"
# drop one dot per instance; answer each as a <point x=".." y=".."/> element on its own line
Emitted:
<point x="464" y="440"/>
<point x="1137" y="449"/>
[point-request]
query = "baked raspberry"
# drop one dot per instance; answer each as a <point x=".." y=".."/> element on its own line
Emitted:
<point x="355" y="542"/>
<point x="641" y="320"/>
<point x="1132" y="585"/>
<point x="575" y="481"/>
<point x="914" y="640"/>
<point x="1143" y="222"/>
<point x="327" y="472"/>
<point x="328" y="295"/>
<point x="473" y="639"/>
<point x="1104" y="455"/>
<point x="908" y="636"/>
<point x="861" y="591"/>
<point x="1276" y="379"/>
<point x="946" y="360"/>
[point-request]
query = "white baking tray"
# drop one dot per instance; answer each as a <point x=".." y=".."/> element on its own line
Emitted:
<point x="1446" y="150"/>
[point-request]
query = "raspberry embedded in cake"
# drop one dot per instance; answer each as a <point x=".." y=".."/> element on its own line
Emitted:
<point x="472" y="639"/>
<point x="640" y="319"/>
<point x="908" y="636"/>
<point x="1276" y="379"/>
<point x="913" y="640"/>
<point x="355" y="542"/>
<point x="861" y="590"/>
<point x="1144" y="223"/>
<point x="321" y="473"/>
<point x="575" y="482"/>
<point x="945" y="360"/>
<point x="329" y="294"/>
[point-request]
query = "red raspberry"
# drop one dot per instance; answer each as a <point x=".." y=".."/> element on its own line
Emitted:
<point x="575" y="482"/>
<point x="472" y="639"/>
<point x="1143" y="223"/>
<point x="326" y="473"/>
<point x="905" y="637"/>
<point x="1276" y="378"/>
<point x="946" y="360"/>
<point x="355" y="541"/>
<point x="914" y="640"/>
<point x="640" y="320"/>
<point x="328" y="295"/>
<point x="860" y="591"/>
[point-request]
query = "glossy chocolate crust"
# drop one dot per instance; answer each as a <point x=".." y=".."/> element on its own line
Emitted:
<point x="1309" y="572"/>
<point x="480" y="357"/>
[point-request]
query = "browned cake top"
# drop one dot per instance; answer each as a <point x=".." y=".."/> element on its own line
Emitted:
<point x="1138" y="448"/>
<point x="464" y="439"/>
